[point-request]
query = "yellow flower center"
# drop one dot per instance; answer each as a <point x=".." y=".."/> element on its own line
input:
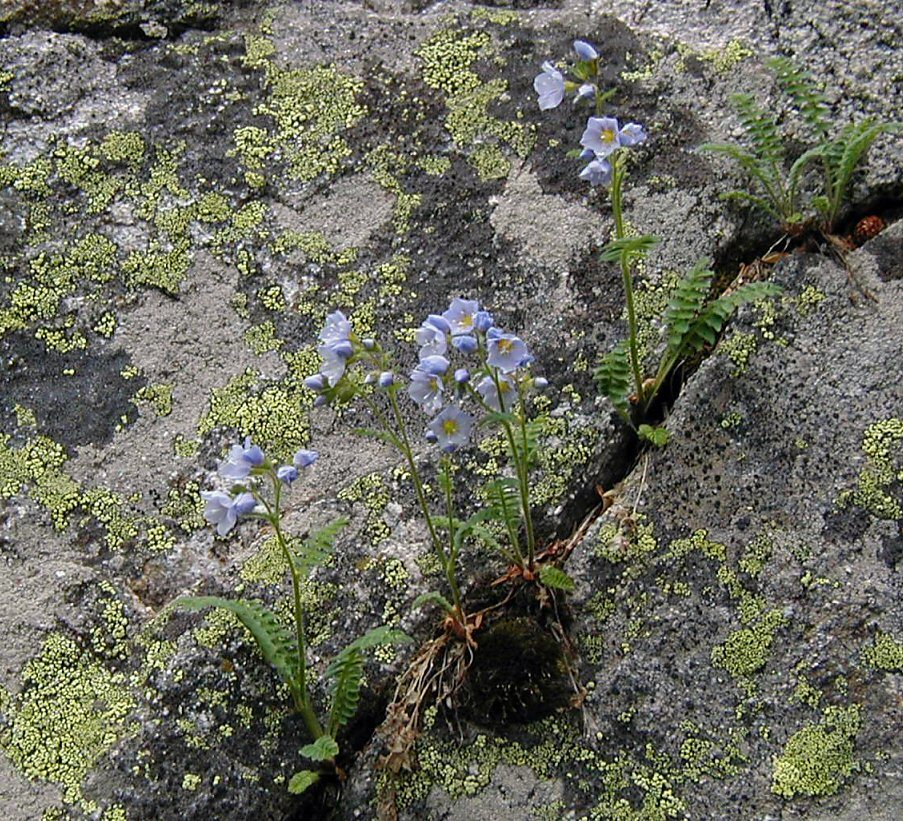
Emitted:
<point x="449" y="426"/>
<point x="607" y="136"/>
<point x="505" y="345"/>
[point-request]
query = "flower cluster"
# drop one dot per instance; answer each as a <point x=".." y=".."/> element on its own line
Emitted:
<point x="603" y="135"/>
<point x="244" y="467"/>
<point x="493" y="376"/>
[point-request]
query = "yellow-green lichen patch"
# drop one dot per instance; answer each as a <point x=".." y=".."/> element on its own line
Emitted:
<point x="386" y="166"/>
<point x="159" y="397"/>
<point x="310" y="108"/>
<point x="447" y="58"/>
<point x="108" y="509"/>
<point x="883" y="469"/>
<point x="263" y="337"/>
<point x="739" y="348"/>
<point x="756" y="555"/>
<point x="71" y="710"/>
<point x="372" y="492"/>
<point x="818" y="759"/>
<point x="185" y="506"/>
<point x="38" y="464"/>
<point x="745" y="651"/>
<point x="275" y="416"/>
<point x="884" y="654"/>
<point x="809" y="300"/>
<point x="555" y="750"/>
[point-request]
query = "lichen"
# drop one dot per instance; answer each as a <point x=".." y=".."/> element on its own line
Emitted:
<point x="818" y="758"/>
<point x="883" y="471"/>
<point x="71" y="711"/>
<point x="884" y="653"/>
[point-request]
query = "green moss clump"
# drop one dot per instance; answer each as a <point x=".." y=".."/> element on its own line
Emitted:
<point x="819" y="758"/>
<point x="884" y="654"/>
<point x="71" y="711"/>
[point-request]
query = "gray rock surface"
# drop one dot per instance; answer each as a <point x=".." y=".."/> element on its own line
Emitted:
<point x="187" y="188"/>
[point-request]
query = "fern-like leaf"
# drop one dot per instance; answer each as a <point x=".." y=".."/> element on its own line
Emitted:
<point x="799" y="86"/>
<point x="346" y="672"/>
<point x="612" y="377"/>
<point x="277" y="645"/>
<point x="706" y="327"/>
<point x="687" y="301"/>
<point x="633" y="247"/>
<point x="312" y="551"/>
<point x="761" y="129"/>
<point x="843" y="155"/>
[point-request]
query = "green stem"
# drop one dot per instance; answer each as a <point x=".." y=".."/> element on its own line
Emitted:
<point x="408" y="454"/>
<point x="300" y="694"/>
<point x="618" y="174"/>
<point x="521" y="468"/>
<point x="450" y="513"/>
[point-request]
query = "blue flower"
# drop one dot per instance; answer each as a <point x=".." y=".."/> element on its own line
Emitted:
<point x="585" y="51"/>
<point x="241" y="460"/>
<point x="507" y="352"/>
<point x="336" y="329"/>
<point x="540" y="383"/>
<point x="461" y="315"/>
<point x="430" y="336"/>
<point x="451" y="428"/>
<point x="487" y="389"/>
<point x="585" y="91"/>
<point x="386" y="379"/>
<point x="334" y="355"/>
<point x="598" y="172"/>
<point x="224" y="511"/>
<point x="601" y="135"/>
<point x="462" y="375"/>
<point x="287" y="474"/>
<point x="304" y="458"/>
<point x="549" y="86"/>
<point x="466" y="344"/>
<point x="482" y="321"/>
<point x="426" y="387"/>
<point x="632" y="134"/>
<point x="316" y="383"/>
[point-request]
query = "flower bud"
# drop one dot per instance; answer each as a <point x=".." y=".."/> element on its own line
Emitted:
<point x="386" y="379"/>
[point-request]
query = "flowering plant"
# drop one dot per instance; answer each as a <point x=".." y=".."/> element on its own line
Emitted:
<point x="469" y="373"/>
<point x="691" y="320"/>
<point x="256" y="486"/>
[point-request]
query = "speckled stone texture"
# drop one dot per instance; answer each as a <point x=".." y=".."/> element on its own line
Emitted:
<point x="187" y="188"/>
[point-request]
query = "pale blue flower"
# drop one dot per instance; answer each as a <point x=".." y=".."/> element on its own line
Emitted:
<point x="490" y="393"/>
<point x="461" y="315"/>
<point x="585" y="51"/>
<point x="507" y="352"/>
<point x="540" y="383"/>
<point x="431" y="336"/>
<point x="334" y="355"/>
<point x="241" y="460"/>
<point x="462" y="375"/>
<point x="585" y="92"/>
<point x="336" y="329"/>
<point x="316" y="383"/>
<point x="224" y="511"/>
<point x="386" y="379"/>
<point x="287" y="474"/>
<point x="451" y="428"/>
<point x="466" y="344"/>
<point x="601" y="136"/>
<point x="435" y="365"/>
<point x="482" y="321"/>
<point x="426" y="389"/>
<point x="632" y="134"/>
<point x="305" y="458"/>
<point x="598" y="172"/>
<point x="549" y="86"/>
